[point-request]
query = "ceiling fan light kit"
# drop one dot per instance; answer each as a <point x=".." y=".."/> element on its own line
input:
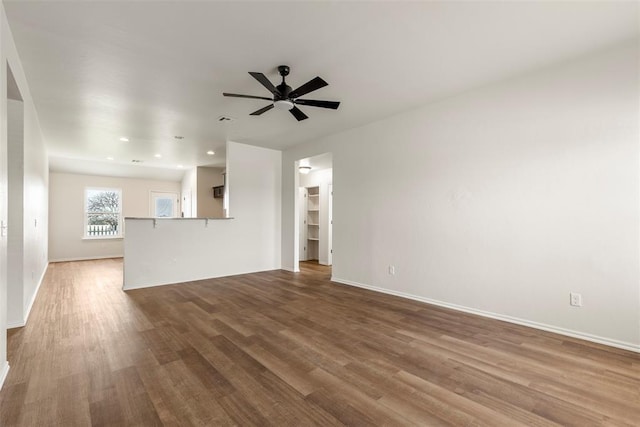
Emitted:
<point x="284" y="98"/>
<point x="283" y="104"/>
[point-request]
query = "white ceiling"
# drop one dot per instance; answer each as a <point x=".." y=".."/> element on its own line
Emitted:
<point x="319" y="162"/>
<point x="152" y="70"/>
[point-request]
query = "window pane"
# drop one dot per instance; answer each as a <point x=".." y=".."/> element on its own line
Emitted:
<point x="164" y="207"/>
<point x="102" y="224"/>
<point x="103" y="201"/>
<point x="103" y="210"/>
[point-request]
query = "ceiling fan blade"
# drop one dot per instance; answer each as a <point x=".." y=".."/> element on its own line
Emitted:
<point x="264" y="81"/>
<point x="235" y="95"/>
<point x="262" y="110"/>
<point x="298" y="114"/>
<point x="323" y="104"/>
<point x="313" y="84"/>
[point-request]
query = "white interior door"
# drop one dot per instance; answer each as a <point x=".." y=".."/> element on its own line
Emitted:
<point x="164" y="204"/>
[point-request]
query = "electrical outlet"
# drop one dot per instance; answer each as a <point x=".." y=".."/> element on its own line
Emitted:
<point x="392" y="270"/>
<point x="575" y="299"/>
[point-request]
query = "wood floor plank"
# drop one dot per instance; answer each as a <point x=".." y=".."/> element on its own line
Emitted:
<point x="67" y="389"/>
<point x="340" y="409"/>
<point x="13" y="403"/>
<point x="280" y="348"/>
<point x="107" y="411"/>
<point x="208" y="375"/>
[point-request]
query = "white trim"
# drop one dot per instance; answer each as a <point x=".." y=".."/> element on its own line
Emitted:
<point x="293" y="270"/>
<point x="118" y="237"/>
<point x="3" y="373"/>
<point x="35" y="294"/>
<point x="86" y="212"/>
<point x="19" y="324"/>
<point x="542" y="326"/>
<point x="126" y="287"/>
<point x="89" y="258"/>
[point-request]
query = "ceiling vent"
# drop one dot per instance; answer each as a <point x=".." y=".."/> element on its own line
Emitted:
<point x="137" y="161"/>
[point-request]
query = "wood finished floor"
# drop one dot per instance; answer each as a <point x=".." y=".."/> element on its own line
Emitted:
<point x="287" y="349"/>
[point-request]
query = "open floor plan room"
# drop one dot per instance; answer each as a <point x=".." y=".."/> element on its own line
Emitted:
<point x="319" y="213"/>
<point x="280" y="348"/>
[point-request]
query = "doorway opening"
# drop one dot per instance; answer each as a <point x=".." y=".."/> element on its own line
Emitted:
<point x="314" y="194"/>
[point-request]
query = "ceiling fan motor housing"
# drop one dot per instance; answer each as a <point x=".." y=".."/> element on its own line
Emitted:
<point x="284" y="90"/>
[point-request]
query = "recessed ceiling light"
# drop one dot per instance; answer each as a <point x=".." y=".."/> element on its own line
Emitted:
<point x="124" y="139"/>
<point x="109" y="158"/>
<point x="179" y="166"/>
<point x="157" y="156"/>
<point x="211" y="152"/>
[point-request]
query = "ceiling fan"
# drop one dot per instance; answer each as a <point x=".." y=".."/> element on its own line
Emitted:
<point x="284" y="98"/>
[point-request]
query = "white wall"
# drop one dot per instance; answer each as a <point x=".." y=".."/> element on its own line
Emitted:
<point x="15" y="241"/>
<point x="499" y="201"/>
<point x="27" y="244"/>
<point x="4" y="215"/>
<point x="36" y="207"/>
<point x="316" y="178"/>
<point x="182" y="250"/>
<point x="254" y="191"/>
<point x="35" y="191"/>
<point x="189" y="191"/>
<point x="207" y="178"/>
<point x="66" y="213"/>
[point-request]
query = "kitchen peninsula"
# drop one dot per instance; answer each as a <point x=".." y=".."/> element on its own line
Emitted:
<point x="161" y="251"/>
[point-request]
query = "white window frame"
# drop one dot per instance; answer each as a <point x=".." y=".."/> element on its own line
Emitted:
<point x="85" y="225"/>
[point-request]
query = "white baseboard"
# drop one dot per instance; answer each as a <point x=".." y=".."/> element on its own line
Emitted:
<point x="89" y="258"/>
<point x="536" y="325"/>
<point x="3" y="373"/>
<point x="178" y="281"/>
<point x="20" y="324"/>
<point x="293" y="270"/>
<point x="35" y="294"/>
<point x="11" y="325"/>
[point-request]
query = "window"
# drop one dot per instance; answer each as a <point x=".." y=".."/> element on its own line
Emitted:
<point x="103" y="213"/>
<point x="164" y="205"/>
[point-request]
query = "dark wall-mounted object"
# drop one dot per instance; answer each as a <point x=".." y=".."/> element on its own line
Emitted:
<point x="218" y="191"/>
